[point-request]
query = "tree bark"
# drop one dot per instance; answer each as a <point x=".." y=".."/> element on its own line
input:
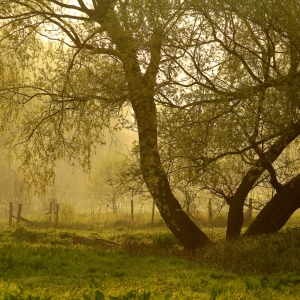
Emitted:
<point x="183" y="228"/>
<point x="278" y="210"/>
<point x="236" y="205"/>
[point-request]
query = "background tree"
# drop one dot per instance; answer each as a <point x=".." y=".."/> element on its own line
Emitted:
<point x="104" y="185"/>
<point x="11" y="183"/>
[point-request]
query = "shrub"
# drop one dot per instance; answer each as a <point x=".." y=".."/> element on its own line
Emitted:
<point x="24" y="234"/>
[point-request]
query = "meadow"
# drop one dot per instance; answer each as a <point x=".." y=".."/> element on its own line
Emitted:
<point x="147" y="263"/>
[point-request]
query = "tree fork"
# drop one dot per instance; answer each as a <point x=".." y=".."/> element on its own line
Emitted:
<point x="236" y="205"/>
<point x="235" y="214"/>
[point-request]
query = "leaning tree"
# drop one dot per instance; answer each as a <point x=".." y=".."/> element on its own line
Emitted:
<point x="82" y="62"/>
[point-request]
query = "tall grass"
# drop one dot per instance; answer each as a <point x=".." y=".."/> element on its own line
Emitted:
<point x="265" y="254"/>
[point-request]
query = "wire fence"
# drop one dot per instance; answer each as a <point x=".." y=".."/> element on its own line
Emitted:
<point x="93" y="214"/>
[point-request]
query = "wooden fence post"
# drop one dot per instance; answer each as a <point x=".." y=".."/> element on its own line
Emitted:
<point x="210" y="214"/>
<point x="56" y="215"/>
<point x="188" y="206"/>
<point x="50" y="212"/>
<point x="153" y="210"/>
<point x="250" y="211"/>
<point x="250" y="208"/>
<point x="132" y="218"/>
<point x="10" y="217"/>
<point x="19" y="213"/>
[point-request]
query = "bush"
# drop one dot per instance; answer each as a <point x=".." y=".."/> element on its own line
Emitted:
<point x="265" y="254"/>
<point x="23" y="234"/>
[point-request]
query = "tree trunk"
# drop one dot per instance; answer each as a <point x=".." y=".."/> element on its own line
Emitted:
<point x="278" y="210"/>
<point x="236" y="205"/>
<point x="184" y="229"/>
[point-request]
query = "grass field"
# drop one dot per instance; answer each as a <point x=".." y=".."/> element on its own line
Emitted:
<point x="148" y="264"/>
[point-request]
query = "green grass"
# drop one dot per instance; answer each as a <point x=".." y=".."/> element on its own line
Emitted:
<point x="150" y="264"/>
<point x="77" y="272"/>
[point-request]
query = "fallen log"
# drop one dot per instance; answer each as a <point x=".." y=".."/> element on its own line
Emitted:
<point x="83" y="240"/>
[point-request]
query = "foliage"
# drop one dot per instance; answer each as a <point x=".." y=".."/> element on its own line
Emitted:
<point x="131" y="175"/>
<point x="23" y="234"/>
<point x="209" y="142"/>
<point x="11" y="183"/>
<point x="105" y="186"/>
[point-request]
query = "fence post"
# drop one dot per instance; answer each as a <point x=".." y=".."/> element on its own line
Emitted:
<point x="250" y="210"/>
<point x="10" y="217"/>
<point x="56" y="215"/>
<point x="50" y="212"/>
<point x="188" y="206"/>
<point x="153" y="210"/>
<point x="19" y="213"/>
<point x="132" y="218"/>
<point x="210" y="215"/>
<point x="248" y="213"/>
